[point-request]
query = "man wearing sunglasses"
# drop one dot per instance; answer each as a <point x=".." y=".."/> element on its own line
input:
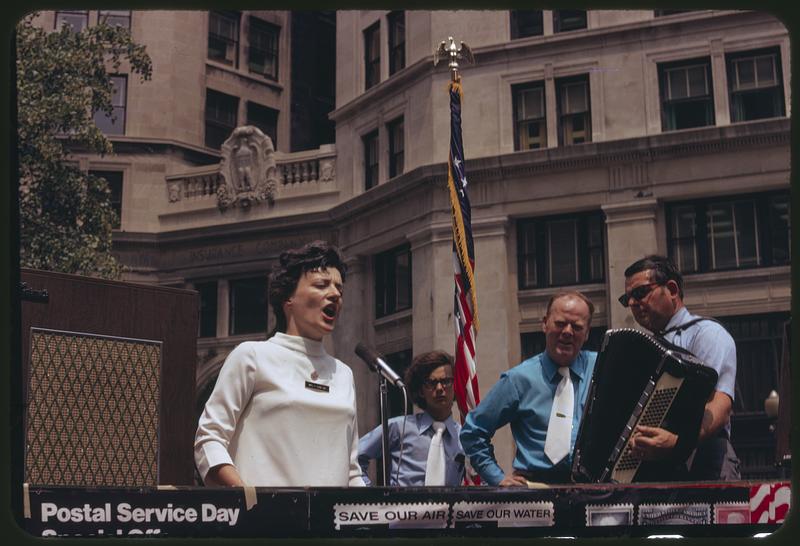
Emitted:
<point x="427" y="436"/>
<point x="542" y="399"/>
<point x="654" y="293"/>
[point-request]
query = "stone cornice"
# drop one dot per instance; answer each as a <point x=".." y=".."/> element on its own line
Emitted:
<point x="275" y="226"/>
<point x="663" y="146"/>
<point x="146" y="145"/>
<point x="684" y="143"/>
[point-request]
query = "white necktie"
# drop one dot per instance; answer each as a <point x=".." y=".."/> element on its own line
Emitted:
<point x="559" y="429"/>
<point x="434" y="471"/>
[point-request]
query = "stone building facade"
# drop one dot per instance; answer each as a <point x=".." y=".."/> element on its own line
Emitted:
<point x="592" y="138"/>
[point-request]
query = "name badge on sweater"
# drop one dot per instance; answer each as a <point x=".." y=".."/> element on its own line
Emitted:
<point x="317" y="387"/>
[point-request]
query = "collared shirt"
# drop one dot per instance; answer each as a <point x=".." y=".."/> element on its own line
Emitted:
<point x="711" y="343"/>
<point x="416" y="442"/>
<point x="523" y="397"/>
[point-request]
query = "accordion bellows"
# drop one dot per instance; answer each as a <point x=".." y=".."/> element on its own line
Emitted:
<point x="639" y="380"/>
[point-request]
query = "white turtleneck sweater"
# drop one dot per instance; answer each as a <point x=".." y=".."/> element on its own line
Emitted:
<point x="278" y="432"/>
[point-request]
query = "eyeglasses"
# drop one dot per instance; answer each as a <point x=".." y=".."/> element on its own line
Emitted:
<point x="638" y="293"/>
<point x="446" y="382"/>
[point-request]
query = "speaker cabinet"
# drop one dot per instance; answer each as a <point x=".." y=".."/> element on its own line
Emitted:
<point x="108" y="382"/>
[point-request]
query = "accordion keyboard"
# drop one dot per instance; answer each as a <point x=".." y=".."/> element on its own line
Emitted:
<point x="655" y="409"/>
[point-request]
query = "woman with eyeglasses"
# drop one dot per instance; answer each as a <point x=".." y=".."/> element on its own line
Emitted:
<point x="431" y="450"/>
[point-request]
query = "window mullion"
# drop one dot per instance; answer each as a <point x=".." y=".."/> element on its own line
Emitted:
<point x="735" y="230"/>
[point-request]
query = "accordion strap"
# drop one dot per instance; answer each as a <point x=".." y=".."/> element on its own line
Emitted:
<point x="685" y="325"/>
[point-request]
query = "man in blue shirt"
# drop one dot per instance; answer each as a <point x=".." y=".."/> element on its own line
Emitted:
<point x="524" y="397"/>
<point x="430" y="382"/>
<point x="654" y="292"/>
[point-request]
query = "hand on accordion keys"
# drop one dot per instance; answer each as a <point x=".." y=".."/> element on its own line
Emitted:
<point x="652" y="443"/>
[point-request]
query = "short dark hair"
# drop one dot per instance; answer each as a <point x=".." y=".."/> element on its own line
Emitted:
<point x="421" y="367"/>
<point x="292" y="265"/>
<point x="662" y="267"/>
<point x="570" y="294"/>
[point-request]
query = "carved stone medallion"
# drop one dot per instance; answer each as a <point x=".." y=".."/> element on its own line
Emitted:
<point x="249" y="174"/>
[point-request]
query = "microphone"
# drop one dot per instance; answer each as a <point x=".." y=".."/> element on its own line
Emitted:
<point x="377" y="364"/>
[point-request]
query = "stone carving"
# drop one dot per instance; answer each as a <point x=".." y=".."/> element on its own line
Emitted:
<point x="174" y="192"/>
<point x="327" y="170"/>
<point x="249" y="173"/>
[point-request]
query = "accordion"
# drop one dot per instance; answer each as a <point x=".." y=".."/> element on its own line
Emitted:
<point x="639" y="380"/>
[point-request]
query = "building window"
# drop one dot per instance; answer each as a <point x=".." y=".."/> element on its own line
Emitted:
<point x="565" y="20"/>
<point x="370" y="159"/>
<point x="686" y="94"/>
<point x="76" y="20"/>
<point x="223" y="37"/>
<point x="208" y="308"/>
<point x="396" y="147"/>
<point x="393" y="281"/>
<point x="561" y="250"/>
<point x="372" y="56"/>
<point x="730" y="233"/>
<point x="397" y="41"/>
<point x="114" y="124"/>
<point x="533" y="343"/>
<point x="262" y="56"/>
<point x="114" y="181"/>
<point x="759" y="346"/>
<point x="530" y="123"/>
<point x="755" y="83"/>
<point x="264" y="118"/>
<point x="526" y="23"/>
<point x="248" y="306"/>
<point x="221" y="118"/>
<point x="758" y="354"/>
<point x="115" y="18"/>
<point x="574" y="115"/>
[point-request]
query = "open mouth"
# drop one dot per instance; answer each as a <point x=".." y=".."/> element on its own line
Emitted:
<point x="330" y="311"/>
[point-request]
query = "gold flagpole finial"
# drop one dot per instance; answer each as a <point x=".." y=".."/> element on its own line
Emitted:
<point x="449" y="50"/>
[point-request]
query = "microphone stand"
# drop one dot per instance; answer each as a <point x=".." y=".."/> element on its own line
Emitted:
<point x="387" y="463"/>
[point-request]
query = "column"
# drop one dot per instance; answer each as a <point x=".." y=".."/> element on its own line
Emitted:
<point x="631" y="231"/>
<point x="223" y="307"/>
<point x="351" y="328"/>
<point x="550" y="106"/>
<point x="432" y="274"/>
<point x="498" y="345"/>
<point x="719" y="77"/>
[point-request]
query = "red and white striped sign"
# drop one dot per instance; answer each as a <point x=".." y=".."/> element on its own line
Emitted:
<point x="769" y="502"/>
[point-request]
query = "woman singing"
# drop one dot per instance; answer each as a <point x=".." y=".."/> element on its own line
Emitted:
<point x="283" y="411"/>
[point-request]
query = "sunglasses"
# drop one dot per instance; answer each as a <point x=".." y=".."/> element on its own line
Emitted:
<point x="638" y="293"/>
<point x="446" y="382"/>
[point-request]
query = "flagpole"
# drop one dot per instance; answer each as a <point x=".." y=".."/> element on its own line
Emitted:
<point x="465" y="304"/>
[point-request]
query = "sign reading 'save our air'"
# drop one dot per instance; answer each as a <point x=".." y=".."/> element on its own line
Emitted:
<point x="503" y="514"/>
<point x="406" y="515"/>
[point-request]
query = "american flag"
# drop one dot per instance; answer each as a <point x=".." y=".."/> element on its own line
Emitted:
<point x="465" y="308"/>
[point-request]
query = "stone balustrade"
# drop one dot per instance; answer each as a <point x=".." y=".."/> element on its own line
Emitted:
<point x="296" y="171"/>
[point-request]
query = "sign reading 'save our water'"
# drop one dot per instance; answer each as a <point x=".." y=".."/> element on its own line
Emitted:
<point x="503" y="514"/>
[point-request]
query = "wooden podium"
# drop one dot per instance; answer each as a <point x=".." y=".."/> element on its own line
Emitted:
<point x="108" y="374"/>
